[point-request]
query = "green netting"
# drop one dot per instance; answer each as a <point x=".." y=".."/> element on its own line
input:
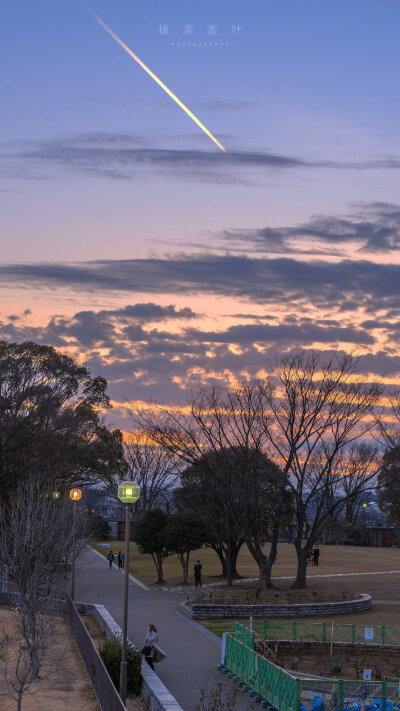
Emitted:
<point x="324" y="632"/>
<point x="287" y="693"/>
<point x="274" y="685"/>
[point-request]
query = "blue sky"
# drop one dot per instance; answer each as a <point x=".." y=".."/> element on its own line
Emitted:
<point x="99" y="164"/>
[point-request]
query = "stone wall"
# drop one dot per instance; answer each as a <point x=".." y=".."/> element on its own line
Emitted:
<point x="199" y="611"/>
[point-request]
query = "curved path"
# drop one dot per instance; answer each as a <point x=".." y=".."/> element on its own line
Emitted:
<point x="193" y="652"/>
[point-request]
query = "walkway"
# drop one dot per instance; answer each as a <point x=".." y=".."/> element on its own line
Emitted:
<point x="193" y="652"/>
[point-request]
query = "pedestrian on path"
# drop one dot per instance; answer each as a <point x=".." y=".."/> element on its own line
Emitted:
<point x="152" y="652"/>
<point x="316" y="555"/>
<point x="120" y="560"/>
<point x="197" y="574"/>
<point x="110" y="558"/>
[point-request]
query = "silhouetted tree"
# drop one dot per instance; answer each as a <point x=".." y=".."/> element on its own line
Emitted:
<point x="50" y="420"/>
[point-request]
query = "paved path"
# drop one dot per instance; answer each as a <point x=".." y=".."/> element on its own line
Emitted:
<point x="193" y="652"/>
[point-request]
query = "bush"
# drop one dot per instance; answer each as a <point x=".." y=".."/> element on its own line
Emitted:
<point x="111" y="654"/>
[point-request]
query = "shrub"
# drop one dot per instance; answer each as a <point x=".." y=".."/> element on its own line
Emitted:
<point x="111" y="654"/>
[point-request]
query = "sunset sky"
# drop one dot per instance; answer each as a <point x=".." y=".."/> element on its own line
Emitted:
<point x="131" y="241"/>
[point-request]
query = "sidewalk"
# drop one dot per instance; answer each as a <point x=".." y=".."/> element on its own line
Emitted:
<point x="193" y="652"/>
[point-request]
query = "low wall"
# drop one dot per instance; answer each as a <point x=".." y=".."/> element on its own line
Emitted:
<point x="200" y="611"/>
<point x="153" y="690"/>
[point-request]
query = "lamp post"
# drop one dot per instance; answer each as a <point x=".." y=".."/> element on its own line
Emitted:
<point x="74" y="495"/>
<point x="364" y="509"/>
<point x="128" y="493"/>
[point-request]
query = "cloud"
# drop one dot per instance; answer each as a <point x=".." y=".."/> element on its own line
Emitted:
<point x="347" y="284"/>
<point x="374" y="228"/>
<point x="122" y="156"/>
<point x="303" y="333"/>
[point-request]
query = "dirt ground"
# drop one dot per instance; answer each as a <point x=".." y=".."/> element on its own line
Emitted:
<point x="351" y="661"/>
<point x="67" y="688"/>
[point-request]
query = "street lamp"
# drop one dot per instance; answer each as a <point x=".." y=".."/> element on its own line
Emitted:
<point x="56" y="495"/>
<point x="128" y="493"/>
<point x="74" y="495"/>
<point x="365" y="509"/>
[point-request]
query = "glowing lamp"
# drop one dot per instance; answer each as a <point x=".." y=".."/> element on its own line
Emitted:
<point x="75" y="494"/>
<point x="56" y="495"/>
<point x="128" y="492"/>
<point x="365" y="506"/>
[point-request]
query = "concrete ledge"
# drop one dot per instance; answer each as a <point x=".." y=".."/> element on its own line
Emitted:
<point x="154" y="691"/>
<point x="203" y="611"/>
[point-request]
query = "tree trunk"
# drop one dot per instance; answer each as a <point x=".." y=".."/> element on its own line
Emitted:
<point x="301" y="577"/>
<point x="185" y="567"/>
<point x="234" y="556"/>
<point x="218" y="549"/>
<point x="229" y="576"/>
<point x="158" y="562"/>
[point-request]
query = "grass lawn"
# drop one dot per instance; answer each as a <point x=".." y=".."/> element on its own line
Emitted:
<point x="333" y="560"/>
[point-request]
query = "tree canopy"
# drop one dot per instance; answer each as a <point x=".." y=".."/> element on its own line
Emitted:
<point x="50" y="420"/>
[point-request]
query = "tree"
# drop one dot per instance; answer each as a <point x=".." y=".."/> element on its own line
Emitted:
<point x="222" y="439"/>
<point x="314" y="416"/>
<point x="202" y="491"/>
<point x="50" y="423"/>
<point x="185" y="532"/>
<point x="150" y="538"/>
<point x="152" y="467"/>
<point x="389" y="476"/>
<point x="36" y="537"/>
<point x="389" y="484"/>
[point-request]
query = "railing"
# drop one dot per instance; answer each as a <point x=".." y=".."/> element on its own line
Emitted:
<point x="104" y="688"/>
<point x="287" y="693"/>
<point x="272" y="684"/>
<point x="323" y="632"/>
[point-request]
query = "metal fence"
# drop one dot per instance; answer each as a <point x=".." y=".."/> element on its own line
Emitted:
<point x="288" y="693"/>
<point x="272" y="684"/>
<point x="322" y="632"/>
<point x="104" y="688"/>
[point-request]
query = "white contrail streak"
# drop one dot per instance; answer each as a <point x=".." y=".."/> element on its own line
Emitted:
<point x="156" y="79"/>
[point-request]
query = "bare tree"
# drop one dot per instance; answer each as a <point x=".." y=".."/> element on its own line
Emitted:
<point x="153" y="467"/>
<point x="315" y="411"/>
<point x="221" y="439"/>
<point x="20" y="666"/>
<point x="36" y="538"/>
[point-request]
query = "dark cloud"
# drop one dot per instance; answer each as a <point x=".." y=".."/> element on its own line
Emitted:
<point x="304" y="333"/>
<point x="288" y="281"/>
<point x="123" y="156"/>
<point x="374" y="228"/>
<point x="150" y="312"/>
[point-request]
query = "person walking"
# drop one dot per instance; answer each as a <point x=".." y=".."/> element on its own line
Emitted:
<point x="120" y="560"/>
<point x="110" y="558"/>
<point x="197" y="574"/>
<point x="316" y="555"/>
<point x="152" y="652"/>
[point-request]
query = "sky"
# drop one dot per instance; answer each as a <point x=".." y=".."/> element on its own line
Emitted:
<point x="131" y="241"/>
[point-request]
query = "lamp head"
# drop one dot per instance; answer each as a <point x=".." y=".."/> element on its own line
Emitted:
<point x="128" y="492"/>
<point x="75" y="494"/>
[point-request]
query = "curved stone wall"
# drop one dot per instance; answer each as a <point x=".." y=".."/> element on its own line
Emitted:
<point x="202" y="611"/>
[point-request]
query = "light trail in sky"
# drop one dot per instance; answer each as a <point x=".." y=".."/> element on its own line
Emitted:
<point x="156" y="79"/>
